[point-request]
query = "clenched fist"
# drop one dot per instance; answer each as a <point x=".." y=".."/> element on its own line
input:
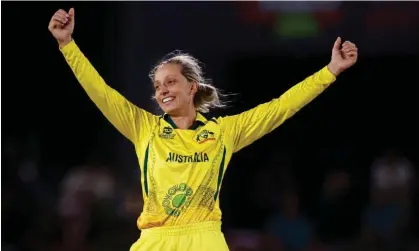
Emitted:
<point x="61" y="26"/>
<point x="343" y="56"/>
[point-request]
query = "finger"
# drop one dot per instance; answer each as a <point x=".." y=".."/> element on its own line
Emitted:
<point x="348" y="46"/>
<point x="353" y="55"/>
<point x="53" y="24"/>
<point x="60" y="18"/>
<point x="349" y="49"/>
<point x="61" y="11"/>
<point x="337" y="43"/>
<point x="348" y="43"/>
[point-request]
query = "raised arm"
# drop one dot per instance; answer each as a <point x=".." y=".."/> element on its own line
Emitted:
<point x="130" y="120"/>
<point x="249" y="126"/>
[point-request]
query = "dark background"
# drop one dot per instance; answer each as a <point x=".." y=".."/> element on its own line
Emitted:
<point x="48" y="120"/>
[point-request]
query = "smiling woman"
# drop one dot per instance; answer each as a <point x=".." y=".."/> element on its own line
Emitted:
<point x="182" y="155"/>
<point x="183" y="72"/>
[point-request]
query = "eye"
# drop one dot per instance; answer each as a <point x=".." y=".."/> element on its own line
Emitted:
<point x="156" y="87"/>
<point x="171" y="81"/>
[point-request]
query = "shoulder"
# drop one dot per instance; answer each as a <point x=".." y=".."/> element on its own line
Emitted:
<point x="223" y="120"/>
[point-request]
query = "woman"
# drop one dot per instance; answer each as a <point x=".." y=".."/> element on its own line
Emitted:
<point x="183" y="156"/>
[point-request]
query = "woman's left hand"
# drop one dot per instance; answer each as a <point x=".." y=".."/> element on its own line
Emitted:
<point x="342" y="58"/>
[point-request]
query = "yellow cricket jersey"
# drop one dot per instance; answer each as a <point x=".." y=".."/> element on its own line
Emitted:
<point x="182" y="170"/>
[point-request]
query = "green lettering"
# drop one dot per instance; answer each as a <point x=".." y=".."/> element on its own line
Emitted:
<point x="169" y="158"/>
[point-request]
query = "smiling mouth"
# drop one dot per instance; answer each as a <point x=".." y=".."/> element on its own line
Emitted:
<point x="168" y="99"/>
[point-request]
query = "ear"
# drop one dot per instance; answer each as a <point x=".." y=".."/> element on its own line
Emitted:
<point x="194" y="88"/>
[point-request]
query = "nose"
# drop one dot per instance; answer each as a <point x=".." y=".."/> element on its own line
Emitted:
<point x="164" y="92"/>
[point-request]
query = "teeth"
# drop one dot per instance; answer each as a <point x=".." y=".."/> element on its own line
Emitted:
<point x="167" y="99"/>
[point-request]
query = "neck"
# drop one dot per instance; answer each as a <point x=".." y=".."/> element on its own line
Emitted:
<point x="184" y="120"/>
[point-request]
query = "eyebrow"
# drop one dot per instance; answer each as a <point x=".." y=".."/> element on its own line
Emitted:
<point x="155" y="82"/>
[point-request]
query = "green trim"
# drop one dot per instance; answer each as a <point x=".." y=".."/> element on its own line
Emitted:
<point x="170" y="121"/>
<point x="194" y="126"/>
<point x="213" y="120"/>
<point x="145" y="170"/>
<point x="220" y="175"/>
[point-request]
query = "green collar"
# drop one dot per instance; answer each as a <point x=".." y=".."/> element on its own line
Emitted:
<point x="199" y="121"/>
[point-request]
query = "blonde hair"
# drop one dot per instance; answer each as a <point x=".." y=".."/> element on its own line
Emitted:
<point x="207" y="95"/>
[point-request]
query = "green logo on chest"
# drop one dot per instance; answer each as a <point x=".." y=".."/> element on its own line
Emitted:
<point x="205" y="136"/>
<point x="177" y="199"/>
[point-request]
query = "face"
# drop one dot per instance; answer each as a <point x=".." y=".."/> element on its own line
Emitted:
<point x="173" y="91"/>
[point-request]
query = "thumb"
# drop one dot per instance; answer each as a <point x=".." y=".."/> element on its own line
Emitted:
<point x="337" y="44"/>
<point x="71" y="13"/>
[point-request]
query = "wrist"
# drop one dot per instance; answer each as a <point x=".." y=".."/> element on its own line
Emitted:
<point x="62" y="43"/>
<point x="333" y="69"/>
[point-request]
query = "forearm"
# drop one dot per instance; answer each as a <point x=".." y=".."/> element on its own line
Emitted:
<point x="304" y="92"/>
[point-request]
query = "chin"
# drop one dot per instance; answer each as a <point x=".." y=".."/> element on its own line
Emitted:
<point x="169" y="110"/>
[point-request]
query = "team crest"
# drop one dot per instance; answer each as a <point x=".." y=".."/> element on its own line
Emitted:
<point x="205" y="136"/>
<point x="167" y="133"/>
<point x="177" y="199"/>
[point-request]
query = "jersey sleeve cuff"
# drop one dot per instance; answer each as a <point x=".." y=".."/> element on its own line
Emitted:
<point x="72" y="46"/>
<point x="327" y="75"/>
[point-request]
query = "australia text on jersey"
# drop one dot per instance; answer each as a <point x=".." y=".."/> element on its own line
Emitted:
<point x="196" y="157"/>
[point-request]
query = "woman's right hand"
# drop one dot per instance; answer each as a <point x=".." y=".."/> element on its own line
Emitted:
<point x="61" y="26"/>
